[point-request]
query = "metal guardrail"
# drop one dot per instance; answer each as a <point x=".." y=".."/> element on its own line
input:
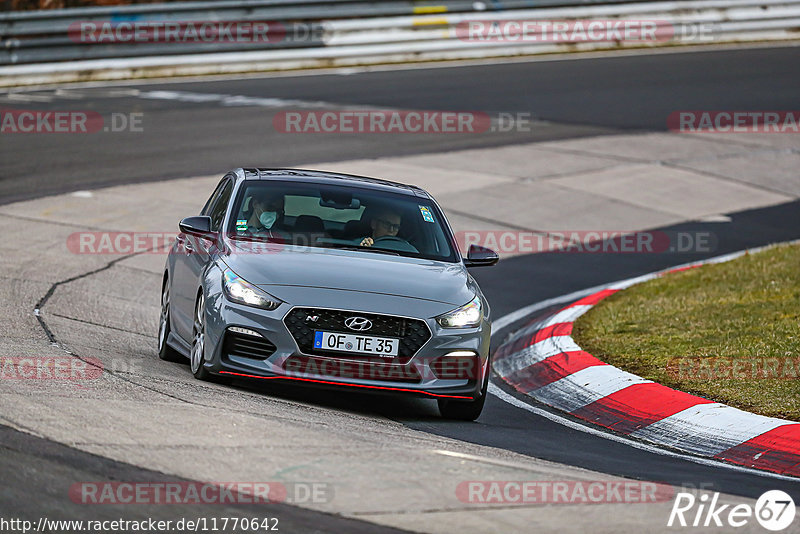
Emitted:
<point x="15" y="24"/>
<point x="720" y="17"/>
<point x="349" y="28"/>
<point x="44" y="36"/>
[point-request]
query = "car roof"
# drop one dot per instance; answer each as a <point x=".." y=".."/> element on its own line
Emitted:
<point x="332" y="178"/>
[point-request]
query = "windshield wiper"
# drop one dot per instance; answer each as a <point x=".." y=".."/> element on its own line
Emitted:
<point x="362" y="249"/>
<point x="256" y="238"/>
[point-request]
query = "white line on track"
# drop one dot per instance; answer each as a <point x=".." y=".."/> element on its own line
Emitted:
<point x="486" y="460"/>
<point x="231" y="100"/>
<point x="521" y="313"/>
<point x="17" y="97"/>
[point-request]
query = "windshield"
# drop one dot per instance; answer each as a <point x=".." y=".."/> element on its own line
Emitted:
<point x="333" y="216"/>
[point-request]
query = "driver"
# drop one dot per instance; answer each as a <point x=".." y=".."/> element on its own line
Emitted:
<point x="386" y="223"/>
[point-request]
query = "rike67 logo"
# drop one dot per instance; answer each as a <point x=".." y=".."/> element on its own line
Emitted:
<point x="774" y="510"/>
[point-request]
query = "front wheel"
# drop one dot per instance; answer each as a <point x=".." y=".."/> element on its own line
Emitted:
<point x="464" y="410"/>
<point x="165" y="352"/>
<point x="197" y="358"/>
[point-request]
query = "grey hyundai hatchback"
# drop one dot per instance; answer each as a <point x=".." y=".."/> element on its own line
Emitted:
<point x="329" y="280"/>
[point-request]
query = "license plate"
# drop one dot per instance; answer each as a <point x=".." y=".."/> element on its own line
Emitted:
<point x="382" y="346"/>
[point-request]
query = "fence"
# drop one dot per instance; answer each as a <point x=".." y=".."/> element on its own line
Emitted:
<point x="298" y="33"/>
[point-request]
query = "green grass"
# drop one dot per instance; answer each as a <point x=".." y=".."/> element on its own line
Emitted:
<point x="724" y="332"/>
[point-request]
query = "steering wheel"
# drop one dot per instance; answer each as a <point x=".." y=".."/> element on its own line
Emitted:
<point x="390" y="238"/>
<point x="397" y="244"/>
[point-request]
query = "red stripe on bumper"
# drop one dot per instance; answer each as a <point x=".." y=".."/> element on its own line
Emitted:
<point x="346" y="385"/>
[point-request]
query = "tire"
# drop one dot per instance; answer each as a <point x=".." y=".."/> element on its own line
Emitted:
<point x="197" y="357"/>
<point x="464" y="410"/>
<point x="165" y="352"/>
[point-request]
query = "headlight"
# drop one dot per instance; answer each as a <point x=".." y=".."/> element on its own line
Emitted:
<point x="241" y="291"/>
<point x="470" y="314"/>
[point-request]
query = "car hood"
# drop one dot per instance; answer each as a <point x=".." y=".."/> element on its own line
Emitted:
<point x="354" y="271"/>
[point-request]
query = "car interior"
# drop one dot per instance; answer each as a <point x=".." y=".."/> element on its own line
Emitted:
<point x="320" y="218"/>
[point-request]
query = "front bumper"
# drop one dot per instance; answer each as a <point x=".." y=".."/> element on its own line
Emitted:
<point x="450" y="365"/>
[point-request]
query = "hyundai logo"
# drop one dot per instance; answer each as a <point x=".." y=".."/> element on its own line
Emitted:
<point x="359" y="324"/>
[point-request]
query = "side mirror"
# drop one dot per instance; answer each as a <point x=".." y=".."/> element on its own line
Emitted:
<point x="478" y="256"/>
<point x="199" y="226"/>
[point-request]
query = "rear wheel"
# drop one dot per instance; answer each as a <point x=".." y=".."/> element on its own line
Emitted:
<point x="197" y="358"/>
<point x="165" y="352"/>
<point x="464" y="410"/>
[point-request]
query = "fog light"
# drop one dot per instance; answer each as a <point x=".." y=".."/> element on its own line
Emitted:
<point x="457" y="365"/>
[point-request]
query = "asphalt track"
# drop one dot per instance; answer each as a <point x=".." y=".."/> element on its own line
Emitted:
<point x="580" y="98"/>
<point x="37" y="475"/>
<point x="577" y="98"/>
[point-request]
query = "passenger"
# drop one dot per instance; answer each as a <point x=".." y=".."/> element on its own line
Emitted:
<point x="266" y="215"/>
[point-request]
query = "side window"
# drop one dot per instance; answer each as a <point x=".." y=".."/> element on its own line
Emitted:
<point x="220" y="205"/>
<point x="213" y="198"/>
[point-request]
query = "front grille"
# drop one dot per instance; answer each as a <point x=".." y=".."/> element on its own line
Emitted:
<point x="413" y="333"/>
<point x="245" y="346"/>
<point x="365" y="370"/>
